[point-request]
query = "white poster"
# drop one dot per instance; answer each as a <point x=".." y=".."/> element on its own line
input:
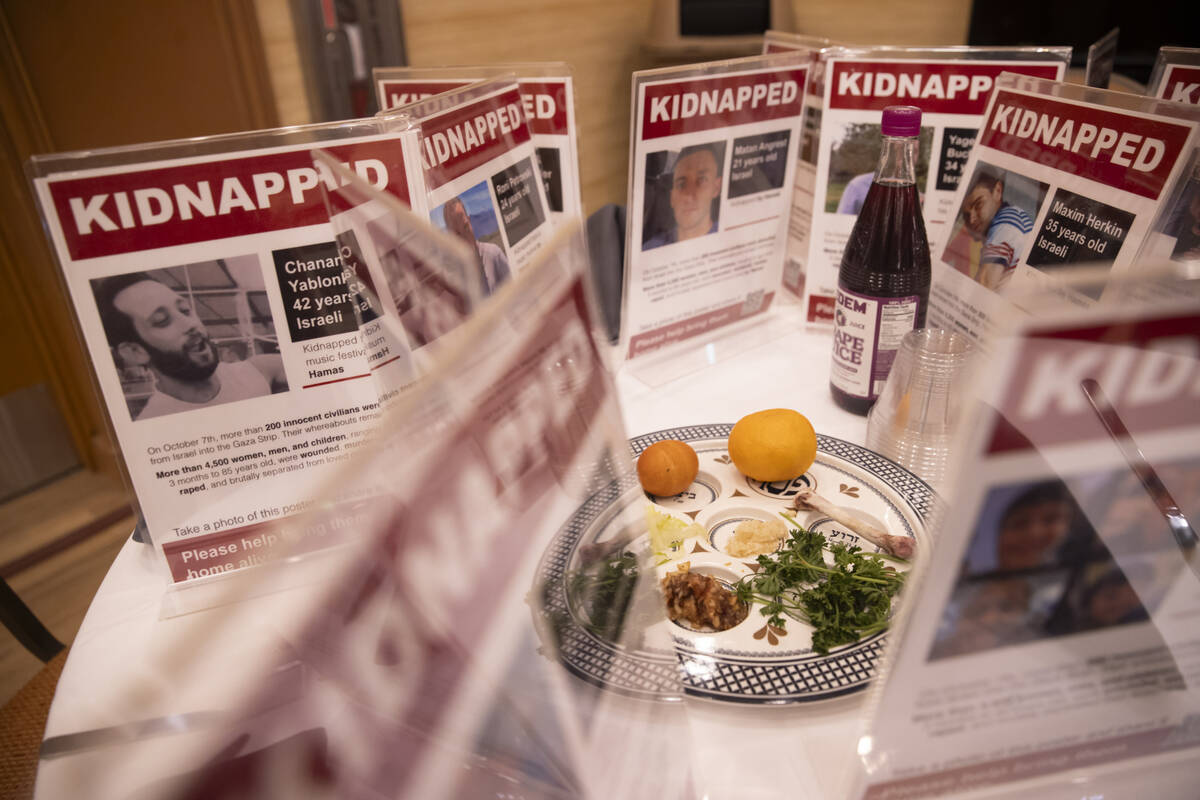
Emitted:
<point x="548" y="96"/>
<point x="1055" y="182"/>
<point x="420" y="284"/>
<point x="222" y="325"/>
<point x="423" y="665"/>
<point x="951" y="86"/>
<point x="1053" y="648"/>
<point x="712" y="162"/>
<point x="1176" y="78"/>
<point x="482" y="179"/>
<point x="1176" y="75"/>
<point x="800" y="221"/>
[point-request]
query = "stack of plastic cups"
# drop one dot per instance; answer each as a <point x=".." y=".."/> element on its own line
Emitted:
<point x="913" y="421"/>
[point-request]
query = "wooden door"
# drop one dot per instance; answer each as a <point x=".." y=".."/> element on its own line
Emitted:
<point x="76" y="74"/>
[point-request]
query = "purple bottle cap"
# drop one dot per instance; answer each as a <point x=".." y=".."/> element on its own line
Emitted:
<point x="901" y="121"/>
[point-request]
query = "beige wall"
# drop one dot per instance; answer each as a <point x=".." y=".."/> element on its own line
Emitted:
<point x="602" y="41"/>
<point x="599" y="40"/>
<point x="907" y="22"/>
<point x="283" y="59"/>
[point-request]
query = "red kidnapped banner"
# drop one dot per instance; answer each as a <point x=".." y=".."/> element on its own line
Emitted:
<point x="546" y="106"/>
<point x="545" y="101"/>
<point x="1148" y="369"/>
<point x="1126" y="151"/>
<point x="702" y="104"/>
<point x="469" y="136"/>
<point x="145" y="209"/>
<point x="958" y="87"/>
<point x="401" y="93"/>
<point x="1182" y="84"/>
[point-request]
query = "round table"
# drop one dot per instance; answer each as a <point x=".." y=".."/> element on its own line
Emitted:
<point x="738" y="751"/>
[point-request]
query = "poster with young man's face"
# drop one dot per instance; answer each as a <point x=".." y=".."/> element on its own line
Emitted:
<point x="991" y="232"/>
<point x="471" y="216"/>
<point x="713" y="158"/>
<point x="689" y="185"/>
<point x="1055" y="629"/>
<point x="190" y="337"/>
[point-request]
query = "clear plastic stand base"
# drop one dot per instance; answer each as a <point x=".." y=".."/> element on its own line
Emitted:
<point x="684" y="358"/>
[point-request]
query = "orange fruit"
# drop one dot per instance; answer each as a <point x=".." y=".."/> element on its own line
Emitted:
<point x="667" y="468"/>
<point x="773" y="445"/>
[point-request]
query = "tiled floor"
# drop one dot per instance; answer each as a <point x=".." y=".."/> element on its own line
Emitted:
<point x="56" y="544"/>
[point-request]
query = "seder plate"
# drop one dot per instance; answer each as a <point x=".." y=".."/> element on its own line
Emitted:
<point x="751" y="662"/>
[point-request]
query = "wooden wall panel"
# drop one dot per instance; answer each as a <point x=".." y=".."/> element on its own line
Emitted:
<point x="36" y="321"/>
<point x="131" y="71"/>
<point x="907" y="22"/>
<point x="603" y="43"/>
<point x="78" y="75"/>
<point x="282" y="51"/>
<point x="600" y="40"/>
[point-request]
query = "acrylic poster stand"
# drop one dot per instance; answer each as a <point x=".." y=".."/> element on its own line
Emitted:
<point x="1052" y="648"/>
<point x="711" y="165"/>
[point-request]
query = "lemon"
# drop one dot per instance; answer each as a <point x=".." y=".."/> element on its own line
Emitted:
<point x="773" y="445"/>
<point x="667" y="468"/>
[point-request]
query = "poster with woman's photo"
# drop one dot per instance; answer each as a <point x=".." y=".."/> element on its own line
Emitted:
<point x="712" y="163"/>
<point x="1054" y="633"/>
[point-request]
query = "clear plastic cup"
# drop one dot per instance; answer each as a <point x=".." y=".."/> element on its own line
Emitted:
<point x="913" y="422"/>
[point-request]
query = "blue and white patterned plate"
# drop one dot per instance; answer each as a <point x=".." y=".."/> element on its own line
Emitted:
<point x="752" y="662"/>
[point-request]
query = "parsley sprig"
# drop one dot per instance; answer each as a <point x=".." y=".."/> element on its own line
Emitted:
<point x="604" y="591"/>
<point x="843" y="602"/>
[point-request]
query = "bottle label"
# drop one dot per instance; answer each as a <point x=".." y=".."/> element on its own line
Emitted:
<point x="866" y="335"/>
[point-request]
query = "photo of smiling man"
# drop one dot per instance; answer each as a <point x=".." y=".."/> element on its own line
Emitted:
<point x="693" y="189"/>
<point x="166" y="355"/>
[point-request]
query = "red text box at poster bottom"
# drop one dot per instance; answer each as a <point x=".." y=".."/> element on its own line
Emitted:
<point x="693" y="326"/>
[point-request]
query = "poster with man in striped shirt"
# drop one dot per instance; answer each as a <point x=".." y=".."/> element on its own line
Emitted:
<point x="993" y="226"/>
<point x="1059" y="178"/>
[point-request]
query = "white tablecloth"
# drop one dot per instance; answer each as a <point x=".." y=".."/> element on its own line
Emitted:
<point x="743" y="752"/>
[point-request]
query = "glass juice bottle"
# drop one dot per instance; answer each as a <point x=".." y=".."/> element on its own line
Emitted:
<point x="883" y="282"/>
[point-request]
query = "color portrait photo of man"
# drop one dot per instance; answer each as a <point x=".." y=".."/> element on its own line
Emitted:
<point x="694" y="196"/>
<point x="992" y="232"/>
<point x="152" y="327"/>
<point x="493" y="264"/>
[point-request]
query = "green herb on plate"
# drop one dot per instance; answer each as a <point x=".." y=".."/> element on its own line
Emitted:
<point x="843" y="602"/>
<point x="603" y="590"/>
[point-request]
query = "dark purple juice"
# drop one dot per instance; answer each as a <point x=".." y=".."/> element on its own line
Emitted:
<point x="888" y="254"/>
<point x="883" y="289"/>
